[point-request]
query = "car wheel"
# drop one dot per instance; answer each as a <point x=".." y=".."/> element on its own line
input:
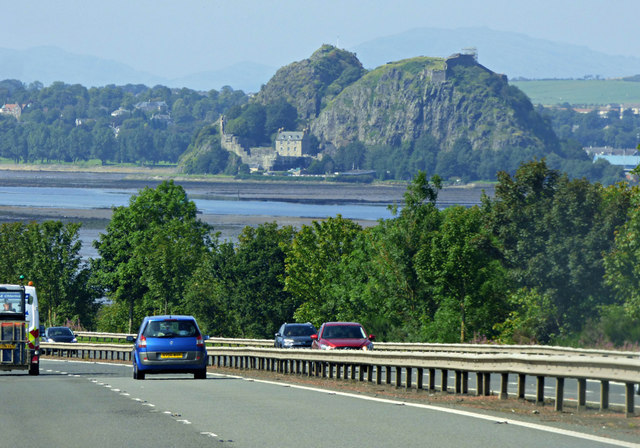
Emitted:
<point x="34" y="369"/>
<point x="200" y="374"/>
<point x="137" y="375"/>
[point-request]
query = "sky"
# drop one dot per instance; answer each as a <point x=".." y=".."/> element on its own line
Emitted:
<point x="180" y="37"/>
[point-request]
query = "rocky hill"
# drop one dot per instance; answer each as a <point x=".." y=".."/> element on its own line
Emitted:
<point x="310" y="84"/>
<point x="446" y="98"/>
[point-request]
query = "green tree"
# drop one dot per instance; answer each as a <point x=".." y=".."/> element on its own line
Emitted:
<point x="397" y="302"/>
<point x="553" y="232"/>
<point x="104" y="144"/>
<point x="150" y="250"/>
<point x="351" y="156"/>
<point x="208" y="297"/>
<point x="311" y="265"/>
<point x="468" y="283"/>
<point x="49" y="255"/>
<point x="622" y="263"/>
<point x="280" y="114"/>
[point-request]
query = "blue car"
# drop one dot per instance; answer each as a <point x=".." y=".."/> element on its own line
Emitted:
<point x="294" y="336"/>
<point x="169" y="344"/>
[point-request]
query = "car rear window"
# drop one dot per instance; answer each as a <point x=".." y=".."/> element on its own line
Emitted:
<point x="171" y="329"/>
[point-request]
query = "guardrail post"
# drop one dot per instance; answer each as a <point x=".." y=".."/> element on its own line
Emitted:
<point x="522" y="378"/>
<point x="444" y="379"/>
<point x="487" y="383"/>
<point x="432" y="379"/>
<point x="629" y="405"/>
<point x="604" y="395"/>
<point x="419" y="378"/>
<point x="378" y="374"/>
<point x="387" y="377"/>
<point x="504" y="386"/>
<point x="465" y="382"/>
<point x="540" y="390"/>
<point x="582" y="394"/>
<point x="559" y="393"/>
<point x="409" y="372"/>
<point x="479" y="383"/>
<point x="398" y="377"/>
<point x="353" y="371"/>
<point x="370" y="373"/>
<point x="457" y="383"/>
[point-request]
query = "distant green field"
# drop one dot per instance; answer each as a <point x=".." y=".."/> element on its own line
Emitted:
<point x="580" y="92"/>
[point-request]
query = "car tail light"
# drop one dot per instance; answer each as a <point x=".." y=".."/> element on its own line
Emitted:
<point x="142" y="342"/>
<point x="199" y="341"/>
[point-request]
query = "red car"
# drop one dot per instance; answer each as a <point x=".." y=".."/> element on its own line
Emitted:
<point x="342" y="336"/>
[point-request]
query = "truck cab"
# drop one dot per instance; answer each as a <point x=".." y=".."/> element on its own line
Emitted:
<point x="19" y="329"/>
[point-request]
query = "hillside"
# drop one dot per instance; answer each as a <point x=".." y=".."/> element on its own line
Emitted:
<point x="448" y="99"/>
<point x="309" y="84"/>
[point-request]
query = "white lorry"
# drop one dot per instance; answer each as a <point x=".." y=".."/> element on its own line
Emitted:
<point x="19" y="328"/>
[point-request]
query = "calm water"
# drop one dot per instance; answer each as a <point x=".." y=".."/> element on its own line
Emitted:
<point x="94" y="198"/>
<point x="88" y="198"/>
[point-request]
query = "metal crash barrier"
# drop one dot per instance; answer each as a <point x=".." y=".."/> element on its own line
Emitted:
<point x="374" y="366"/>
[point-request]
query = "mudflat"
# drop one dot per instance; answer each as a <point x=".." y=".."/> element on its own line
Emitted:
<point x="309" y="192"/>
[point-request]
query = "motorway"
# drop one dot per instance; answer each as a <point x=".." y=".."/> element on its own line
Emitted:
<point x="79" y="404"/>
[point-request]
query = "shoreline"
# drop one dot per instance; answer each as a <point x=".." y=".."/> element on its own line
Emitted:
<point x="255" y="189"/>
<point x="96" y="220"/>
<point x="133" y="179"/>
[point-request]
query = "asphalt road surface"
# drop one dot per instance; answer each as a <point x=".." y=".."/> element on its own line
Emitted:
<point x="78" y="404"/>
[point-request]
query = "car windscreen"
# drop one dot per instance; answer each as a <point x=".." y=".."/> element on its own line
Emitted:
<point x="171" y="329"/>
<point x="59" y="332"/>
<point x="299" y="330"/>
<point x="343" y="332"/>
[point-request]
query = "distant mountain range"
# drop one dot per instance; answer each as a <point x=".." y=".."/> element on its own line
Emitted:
<point x="50" y="64"/>
<point x="513" y="54"/>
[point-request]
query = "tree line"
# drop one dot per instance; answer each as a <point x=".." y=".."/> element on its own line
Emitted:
<point x="612" y="129"/>
<point x="547" y="259"/>
<point x="112" y="124"/>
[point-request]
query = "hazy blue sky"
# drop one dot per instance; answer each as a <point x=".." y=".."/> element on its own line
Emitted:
<point x="178" y="37"/>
